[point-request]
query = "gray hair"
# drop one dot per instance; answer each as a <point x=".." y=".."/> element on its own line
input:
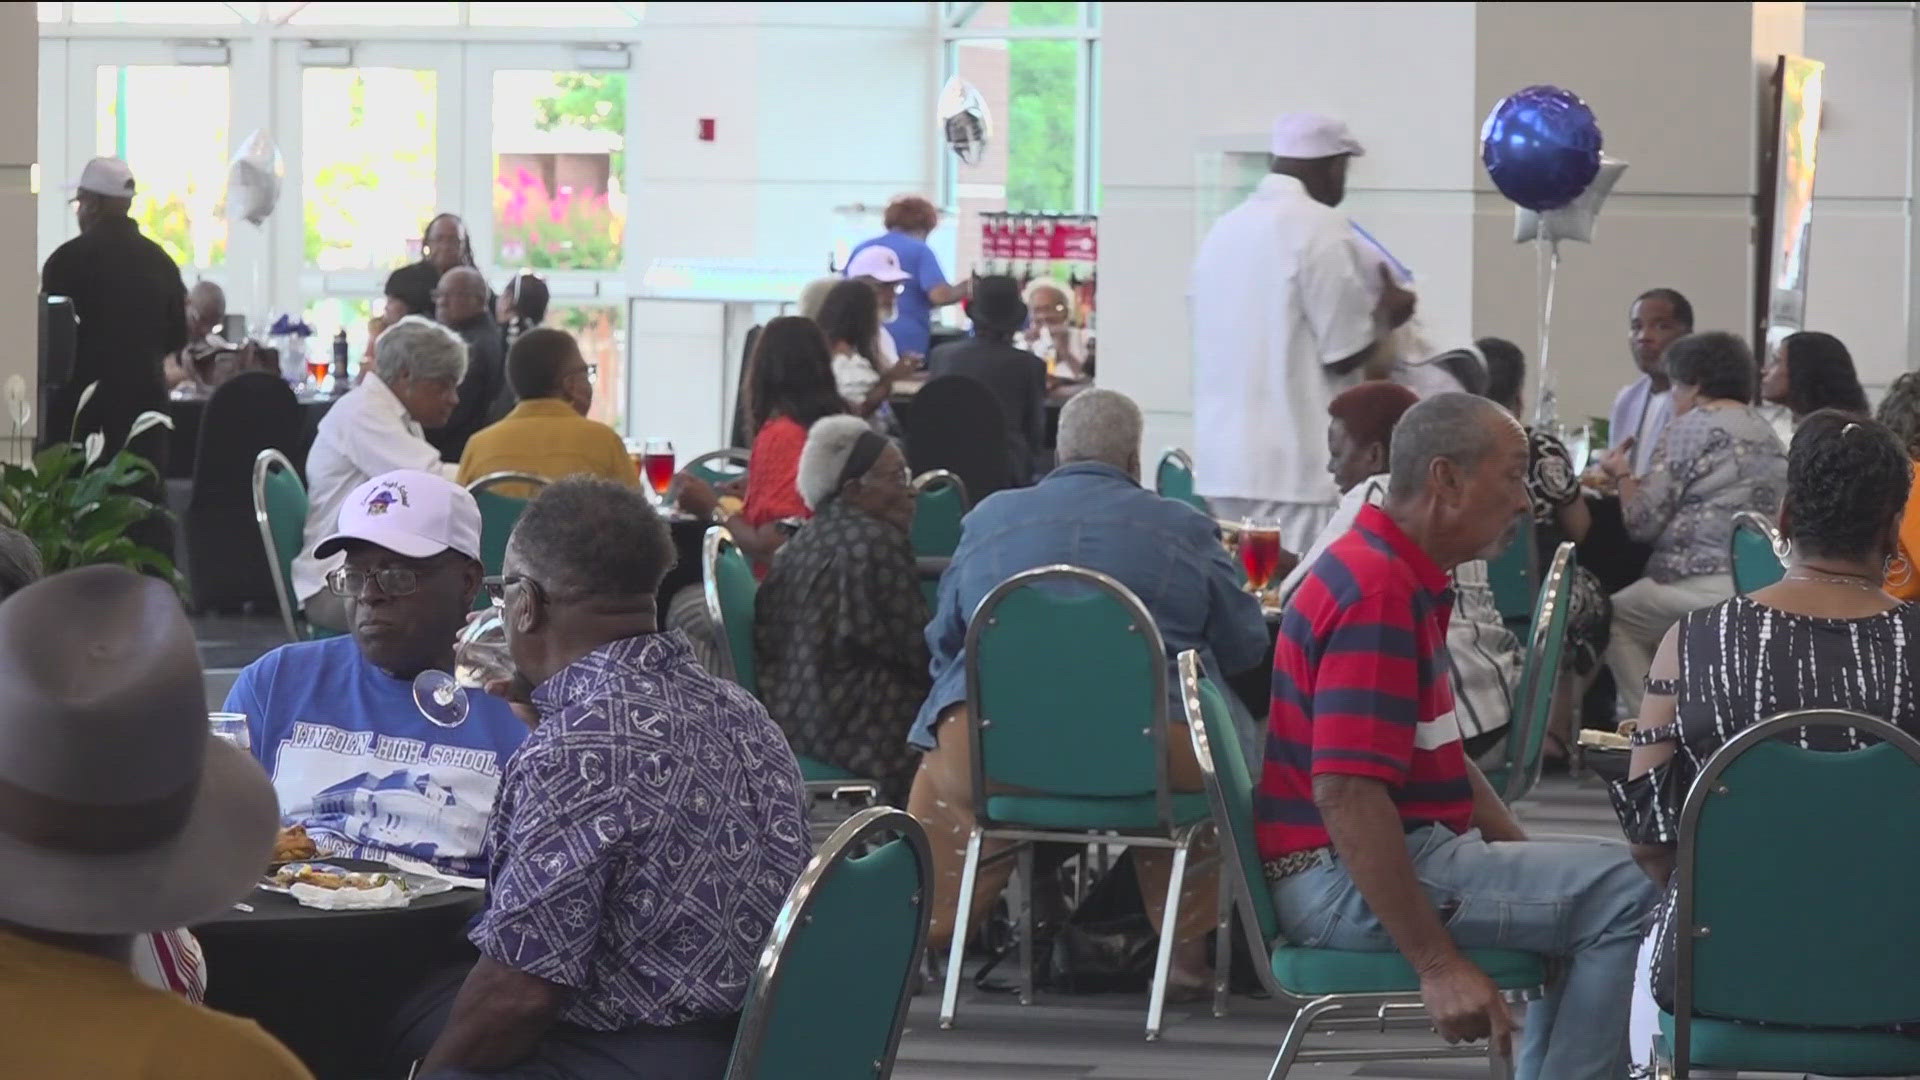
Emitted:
<point x="585" y="537"/>
<point x="1452" y="426"/>
<point x="830" y="442"/>
<point x="20" y="564"/>
<point x="1103" y="426"/>
<point x="422" y="349"/>
<point x="813" y="294"/>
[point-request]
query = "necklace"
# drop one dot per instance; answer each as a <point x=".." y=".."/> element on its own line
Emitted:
<point x="1855" y="581"/>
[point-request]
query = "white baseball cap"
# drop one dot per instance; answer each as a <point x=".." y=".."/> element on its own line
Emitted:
<point x="1311" y="135"/>
<point x="106" y="176"/>
<point x="878" y="262"/>
<point x="410" y="513"/>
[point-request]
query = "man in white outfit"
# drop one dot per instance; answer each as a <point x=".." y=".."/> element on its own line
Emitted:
<point x="1285" y="315"/>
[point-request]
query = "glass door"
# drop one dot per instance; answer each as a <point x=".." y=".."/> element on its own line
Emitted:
<point x="170" y="122"/>
<point x="550" y="148"/>
<point x="379" y="157"/>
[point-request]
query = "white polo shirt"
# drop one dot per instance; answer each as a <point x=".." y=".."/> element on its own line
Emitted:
<point x="366" y="434"/>
<point x="1278" y="293"/>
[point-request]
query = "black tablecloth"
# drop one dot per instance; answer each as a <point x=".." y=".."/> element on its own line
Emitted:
<point x="184" y="444"/>
<point x="327" y="983"/>
<point x="1254" y="686"/>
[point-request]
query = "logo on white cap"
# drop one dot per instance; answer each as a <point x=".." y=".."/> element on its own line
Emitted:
<point x="382" y="498"/>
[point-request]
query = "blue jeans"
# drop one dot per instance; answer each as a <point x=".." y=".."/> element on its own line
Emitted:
<point x="1582" y="901"/>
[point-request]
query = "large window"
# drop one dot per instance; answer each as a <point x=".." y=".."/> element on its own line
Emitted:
<point x="1034" y="65"/>
<point x="385" y="113"/>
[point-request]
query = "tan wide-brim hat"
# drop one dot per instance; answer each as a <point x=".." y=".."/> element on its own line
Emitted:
<point x="119" y="812"/>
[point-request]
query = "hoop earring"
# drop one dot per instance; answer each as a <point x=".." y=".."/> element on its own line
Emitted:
<point x="1783" y="549"/>
<point x="1897" y="570"/>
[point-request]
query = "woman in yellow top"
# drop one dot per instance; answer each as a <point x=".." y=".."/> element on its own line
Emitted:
<point x="1900" y="411"/>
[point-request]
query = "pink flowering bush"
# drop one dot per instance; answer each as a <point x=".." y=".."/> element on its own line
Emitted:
<point x="547" y="230"/>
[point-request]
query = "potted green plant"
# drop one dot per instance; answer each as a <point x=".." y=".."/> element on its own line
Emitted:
<point x="77" y="508"/>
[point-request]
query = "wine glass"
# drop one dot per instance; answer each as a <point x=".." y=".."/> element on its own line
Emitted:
<point x="1259" y="554"/>
<point x="231" y="728"/>
<point x="440" y="698"/>
<point x="480" y="654"/>
<point x="659" y="459"/>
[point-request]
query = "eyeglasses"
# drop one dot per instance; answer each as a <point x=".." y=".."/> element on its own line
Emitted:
<point x="393" y="581"/>
<point x="496" y="585"/>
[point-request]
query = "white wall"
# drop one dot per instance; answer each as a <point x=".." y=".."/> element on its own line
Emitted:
<point x="19" y="275"/>
<point x="1860" y="284"/>
<point x="800" y="129"/>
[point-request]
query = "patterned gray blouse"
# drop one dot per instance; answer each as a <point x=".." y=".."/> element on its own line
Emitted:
<point x="840" y="639"/>
<point x="1710" y="465"/>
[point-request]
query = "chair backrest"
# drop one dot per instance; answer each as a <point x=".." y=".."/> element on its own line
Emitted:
<point x="1173" y="478"/>
<point x="1773" y="835"/>
<point x="952" y="425"/>
<point x="251" y="412"/>
<point x="1513" y="572"/>
<point x="1533" y="700"/>
<point x="830" y="996"/>
<point x="502" y="497"/>
<point x="939" y="504"/>
<point x="1750" y="550"/>
<point x="280" y="508"/>
<point x="718" y="467"/>
<point x="1084" y="719"/>
<point x="730" y="587"/>
<point x="1216" y="747"/>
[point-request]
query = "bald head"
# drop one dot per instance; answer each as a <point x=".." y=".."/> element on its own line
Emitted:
<point x="1458" y="469"/>
<point x="460" y="297"/>
<point x="206" y="309"/>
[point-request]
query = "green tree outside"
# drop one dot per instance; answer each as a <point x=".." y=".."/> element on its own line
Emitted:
<point x="1043" y="111"/>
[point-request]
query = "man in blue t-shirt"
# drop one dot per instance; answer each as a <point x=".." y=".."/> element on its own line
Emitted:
<point x="334" y="722"/>
<point x="909" y="220"/>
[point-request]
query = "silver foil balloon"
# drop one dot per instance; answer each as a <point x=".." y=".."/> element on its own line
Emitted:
<point x="253" y="179"/>
<point x="1573" y="221"/>
<point x="965" y="121"/>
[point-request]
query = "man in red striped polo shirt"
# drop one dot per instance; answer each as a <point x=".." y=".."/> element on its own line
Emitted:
<point x="1377" y="831"/>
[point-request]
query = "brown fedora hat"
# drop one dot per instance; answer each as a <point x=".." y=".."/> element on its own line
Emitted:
<point x="119" y="812"/>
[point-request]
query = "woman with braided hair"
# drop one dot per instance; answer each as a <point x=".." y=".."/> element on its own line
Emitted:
<point x="1826" y="636"/>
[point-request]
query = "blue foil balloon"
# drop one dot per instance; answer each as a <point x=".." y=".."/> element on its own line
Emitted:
<point x="1541" y="146"/>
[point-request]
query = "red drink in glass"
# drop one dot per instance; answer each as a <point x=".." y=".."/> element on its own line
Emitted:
<point x="317" y="371"/>
<point x="1260" y="555"/>
<point x="660" y="470"/>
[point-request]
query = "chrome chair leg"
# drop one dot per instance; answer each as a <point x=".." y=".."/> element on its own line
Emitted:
<point x="1297" y="1036"/>
<point x="1169" y="929"/>
<point x="963" y="907"/>
<point x="1223" y="938"/>
<point x="1023" y="921"/>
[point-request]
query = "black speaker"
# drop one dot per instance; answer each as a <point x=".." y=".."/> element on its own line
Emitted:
<point x="59" y="336"/>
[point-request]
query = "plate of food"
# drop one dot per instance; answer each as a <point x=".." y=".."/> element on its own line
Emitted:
<point x="350" y="883"/>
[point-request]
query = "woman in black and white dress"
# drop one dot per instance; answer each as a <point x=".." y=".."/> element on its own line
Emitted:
<point x="1827" y="636"/>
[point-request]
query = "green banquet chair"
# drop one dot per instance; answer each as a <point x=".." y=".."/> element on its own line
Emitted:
<point x="1791" y="892"/>
<point x="280" y="509"/>
<point x="502" y="497"/>
<point x="1533" y="697"/>
<point x="731" y="589"/>
<point x="1084" y="744"/>
<point x="1751" y="551"/>
<point x="1173" y="478"/>
<point x="1331" y="989"/>
<point x="829" y="997"/>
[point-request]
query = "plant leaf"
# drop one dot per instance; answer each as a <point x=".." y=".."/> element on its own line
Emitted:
<point x="96" y="444"/>
<point x="73" y="433"/>
<point x="148" y="419"/>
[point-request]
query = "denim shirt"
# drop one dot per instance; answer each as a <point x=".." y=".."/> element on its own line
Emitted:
<point x="1096" y="516"/>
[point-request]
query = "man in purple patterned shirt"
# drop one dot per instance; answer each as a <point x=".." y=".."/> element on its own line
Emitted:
<point x="646" y="833"/>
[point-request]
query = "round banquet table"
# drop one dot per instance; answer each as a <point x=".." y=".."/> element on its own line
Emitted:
<point x="327" y="983"/>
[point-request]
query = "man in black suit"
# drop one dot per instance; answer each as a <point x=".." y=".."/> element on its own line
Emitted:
<point x="1017" y="377"/>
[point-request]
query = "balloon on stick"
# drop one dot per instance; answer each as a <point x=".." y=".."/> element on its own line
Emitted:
<point x="1541" y="146"/>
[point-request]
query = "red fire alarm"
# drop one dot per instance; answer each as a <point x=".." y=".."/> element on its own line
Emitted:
<point x="706" y="129"/>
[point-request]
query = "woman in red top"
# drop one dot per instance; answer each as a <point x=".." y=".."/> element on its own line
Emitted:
<point x="789" y="385"/>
